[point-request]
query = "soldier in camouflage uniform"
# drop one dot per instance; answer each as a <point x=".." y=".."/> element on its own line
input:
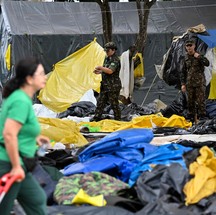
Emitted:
<point x="110" y="84"/>
<point x="193" y="80"/>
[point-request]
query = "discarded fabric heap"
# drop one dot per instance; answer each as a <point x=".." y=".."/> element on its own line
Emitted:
<point x="116" y="154"/>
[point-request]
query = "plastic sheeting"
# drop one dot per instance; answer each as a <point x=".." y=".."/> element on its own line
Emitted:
<point x="8" y="57"/>
<point x="209" y="39"/>
<point x="139" y="71"/>
<point x="116" y="154"/>
<point x="203" y="184"/>
<point x="117" y="167"/>
<point x="166" y="154"/>
<point x="87" y="210"/>
<point x="72" y="77"/>
<point x="212" y="93"/>
<point x="173" y="63"/>
<point x="165" y="182"/>
<point x="114" y="142"/>
<point x="148" y="121"/>
<point x="64" y="131"/>
<point x="54" y="30"/>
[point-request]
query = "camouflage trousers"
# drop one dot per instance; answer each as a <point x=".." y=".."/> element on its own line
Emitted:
<point x="112" y="97"/>
<point x="196" y="98"/>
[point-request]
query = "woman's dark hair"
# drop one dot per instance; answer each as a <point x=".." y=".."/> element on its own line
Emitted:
<point x="25" y="67"/>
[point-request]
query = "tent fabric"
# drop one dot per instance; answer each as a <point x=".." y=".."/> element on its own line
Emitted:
<point x="110" y="164"/>
<point x="64" y="131"/>
<point x="139" y="71"/>
<point x="67" y="131"/>
<point x="147" y="121"/>
<point x="211" y="108"/>
<point x="116" y="154"/>
<point x="209" y="39"/>
<point x="87" y="210"/>
<point x="8" y="57"/>
<point x="114" y="142"/>
<point x="203" y="184"/>
<point x="65" y="18"/>
<point x="212" y="93"/>
<point x="162" y="182"/>
<point x="166" y="154"/>
<point x="125" y="74"/>
<point x="72" y="77"/>
<point x="54" y="30"/>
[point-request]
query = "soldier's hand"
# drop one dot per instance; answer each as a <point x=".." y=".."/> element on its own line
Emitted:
<point x="183" y="88"/>
<point x="97" y="71"/>
<point x="196" y="55"/>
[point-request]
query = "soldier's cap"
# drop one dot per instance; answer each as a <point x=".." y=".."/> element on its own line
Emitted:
<point x="110" y="45"/>
<point x="189" y="42"/>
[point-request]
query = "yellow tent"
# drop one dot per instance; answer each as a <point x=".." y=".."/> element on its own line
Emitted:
<point x="72" y="77"/>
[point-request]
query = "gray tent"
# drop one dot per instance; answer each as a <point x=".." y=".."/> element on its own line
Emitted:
<point x="53" y="30"/>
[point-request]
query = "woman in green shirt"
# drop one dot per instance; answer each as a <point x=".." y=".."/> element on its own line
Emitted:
<point x="19" y="134"/>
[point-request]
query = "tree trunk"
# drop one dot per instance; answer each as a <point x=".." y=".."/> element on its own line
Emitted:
<point x="143" y="8"/>
<point x="106" y="19"/>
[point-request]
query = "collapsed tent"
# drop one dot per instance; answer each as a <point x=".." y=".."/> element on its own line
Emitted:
<point x="54" y="30"/>
<point x="72" y="77"/>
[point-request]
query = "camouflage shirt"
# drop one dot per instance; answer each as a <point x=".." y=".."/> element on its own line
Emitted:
<point x="111" y="82"/>
<point x="193" y="71"/>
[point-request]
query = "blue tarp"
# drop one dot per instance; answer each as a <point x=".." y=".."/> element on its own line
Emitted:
<point x="116" y="154"/>
<point x="126" y="154"/>
<point x="166" y="154"/>
<point x="210" y="39"/>
<point x="121" y="142"/>
<point x="109" y="164"/>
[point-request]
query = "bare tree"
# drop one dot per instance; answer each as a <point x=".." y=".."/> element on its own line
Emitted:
<point x="106" y="19"/>
<point x="143" y="9"/>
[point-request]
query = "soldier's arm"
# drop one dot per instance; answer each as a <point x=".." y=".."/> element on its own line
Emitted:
<point x="204" y="60"/>
<point x="104" y="70"/>
<point x="112" y="67"/>
<point x="183" y="73"/>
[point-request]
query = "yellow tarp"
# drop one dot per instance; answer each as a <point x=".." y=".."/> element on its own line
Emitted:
<point x="72" y="77"/>
<point x="139" y="70"/>
<point x="204" y="182"/>
<point x="68" y="132"/>
<point x="147" y="121"/>
<point x="212" y="93"/>
<point x="8" y="57"/>
<point x="64" y="131"/>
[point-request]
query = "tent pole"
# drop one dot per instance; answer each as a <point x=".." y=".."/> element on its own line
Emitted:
<point x="149" y="89"/>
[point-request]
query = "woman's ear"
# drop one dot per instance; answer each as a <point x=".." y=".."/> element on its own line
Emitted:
<point x="29" y="80"/>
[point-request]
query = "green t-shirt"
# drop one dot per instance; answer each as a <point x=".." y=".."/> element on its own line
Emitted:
<point x="18" y="106"/>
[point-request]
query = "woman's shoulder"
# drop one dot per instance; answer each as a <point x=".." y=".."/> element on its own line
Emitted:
<point x="19" y="96"/>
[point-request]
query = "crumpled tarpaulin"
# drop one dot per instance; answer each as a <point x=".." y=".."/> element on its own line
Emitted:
<point x="110" y="164"/>
<point x="204" y="182"/>
<point x="116" y="154"/>
<point x="165" y="182"/>
<point x="166" y="154"/>
<point x="64" y="131"/>
<point x="118" y="142"/>
<point x="147" y="121"/>
<point x="72" y="77"/>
